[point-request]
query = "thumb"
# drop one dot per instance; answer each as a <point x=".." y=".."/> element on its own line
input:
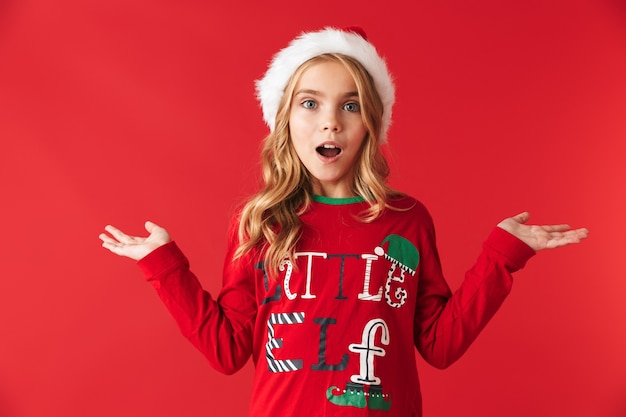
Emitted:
<point x="522" y="217"/>
<point x="150" y="226"/>
<point x="157" y="233"/>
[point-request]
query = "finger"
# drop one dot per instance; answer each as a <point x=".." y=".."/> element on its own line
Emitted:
<point x="570" y="237"/>
<point x="119" y="235"/>
<point x="106" y="238"/>
<point x="111" y="244"/>
<point x="577" y="234"/>
<point x="114" y="231"/>
<point x="556" y="228"/>
<point x="582" y="233"/>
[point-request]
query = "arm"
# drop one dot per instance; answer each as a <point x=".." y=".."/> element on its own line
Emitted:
<point x="221" y="329"/>
<point x="446" y="324"/>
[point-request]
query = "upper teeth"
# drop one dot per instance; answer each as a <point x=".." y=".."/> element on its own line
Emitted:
<point x="328" y="146"/>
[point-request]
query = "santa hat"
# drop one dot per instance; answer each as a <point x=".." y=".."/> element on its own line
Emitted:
<point x="350" y="41"/>
<point x="400" y="252"/>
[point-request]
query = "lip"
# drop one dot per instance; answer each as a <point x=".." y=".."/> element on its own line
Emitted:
<point x="329" y="159"/>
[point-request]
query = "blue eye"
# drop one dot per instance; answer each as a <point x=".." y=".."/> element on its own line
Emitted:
<point x="309" y="104"/>
<point x="352" y="107"/>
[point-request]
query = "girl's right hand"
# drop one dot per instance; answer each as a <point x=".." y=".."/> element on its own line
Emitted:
<point x="131" y="246"/>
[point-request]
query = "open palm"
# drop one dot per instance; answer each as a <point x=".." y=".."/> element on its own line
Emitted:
<point x="134" y="247"/>
<point x="542" y="237"/>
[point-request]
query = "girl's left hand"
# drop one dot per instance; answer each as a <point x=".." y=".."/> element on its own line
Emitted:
<point x="542" y="237"/>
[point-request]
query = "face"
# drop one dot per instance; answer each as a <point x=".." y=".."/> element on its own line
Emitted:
<point x="326" y="127"/>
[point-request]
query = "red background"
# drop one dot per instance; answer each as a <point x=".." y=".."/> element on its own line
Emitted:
<point x="122" y="111"/>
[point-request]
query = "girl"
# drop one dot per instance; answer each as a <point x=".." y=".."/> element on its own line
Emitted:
<point x="331" y="277"/>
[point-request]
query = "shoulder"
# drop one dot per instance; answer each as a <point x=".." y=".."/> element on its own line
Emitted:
<point x="410" y="205"/>
<point x="414" y="219"/>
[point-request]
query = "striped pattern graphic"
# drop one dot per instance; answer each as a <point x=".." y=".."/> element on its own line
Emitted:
<point x="281" y="365"/>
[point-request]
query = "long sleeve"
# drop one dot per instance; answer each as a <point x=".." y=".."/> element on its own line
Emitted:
<point x="331" y="335"/>
<point x="446" y="324"/>
<point x="220" y="328"/>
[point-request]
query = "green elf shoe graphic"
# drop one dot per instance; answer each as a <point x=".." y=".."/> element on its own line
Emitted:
<point x="378" y="400"/>
<point x="400" y="252"/>
<point x="352" y="396"/>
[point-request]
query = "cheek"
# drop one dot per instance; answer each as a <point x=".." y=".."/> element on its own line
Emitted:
<point x="297" y="139"/>
<point x="298" y="122"/>
<point x="358" y="133"/>
<point x="299" y="130"/>
<point x="294" y="135"/>
<point x="293" y="125"/>
<point x="357" y="125"/>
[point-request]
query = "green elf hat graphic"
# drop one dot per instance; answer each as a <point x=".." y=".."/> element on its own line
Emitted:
<point x="400" y="252"/>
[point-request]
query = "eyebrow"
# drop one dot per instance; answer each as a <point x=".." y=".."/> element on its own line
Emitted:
<point x="317" y="93"/>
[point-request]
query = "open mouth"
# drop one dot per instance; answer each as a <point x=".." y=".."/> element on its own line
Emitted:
<point x="329" y="151"/>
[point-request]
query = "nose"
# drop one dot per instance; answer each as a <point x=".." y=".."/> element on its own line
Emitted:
<point x="331" y="121"/>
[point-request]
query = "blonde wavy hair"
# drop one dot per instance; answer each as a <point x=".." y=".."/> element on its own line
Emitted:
<point x="270" y="220"/>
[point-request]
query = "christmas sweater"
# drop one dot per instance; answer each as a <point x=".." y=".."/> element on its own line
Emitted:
<point x="335" y="333"/>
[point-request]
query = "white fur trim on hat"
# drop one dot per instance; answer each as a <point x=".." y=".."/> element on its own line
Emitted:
<point x="271" y="87"/>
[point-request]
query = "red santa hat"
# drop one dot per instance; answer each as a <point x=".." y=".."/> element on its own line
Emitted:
<point x="350" y="41"/>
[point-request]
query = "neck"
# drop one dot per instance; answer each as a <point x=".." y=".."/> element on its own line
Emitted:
<point x="332" y="190"/>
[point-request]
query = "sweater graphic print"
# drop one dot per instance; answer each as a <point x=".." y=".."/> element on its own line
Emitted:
<point x="363" y="389"/>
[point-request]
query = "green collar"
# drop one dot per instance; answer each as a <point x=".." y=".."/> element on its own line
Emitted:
<point x="337" y="201"/>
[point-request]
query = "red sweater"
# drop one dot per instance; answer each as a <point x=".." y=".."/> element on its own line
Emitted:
<point x="334" y="335"/>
